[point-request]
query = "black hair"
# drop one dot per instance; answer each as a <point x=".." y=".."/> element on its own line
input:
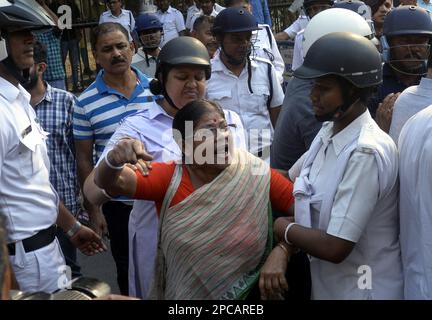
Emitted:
<point x="104" y="28"/>
<point x="4" y="254"/>
<point x="40" y="52"/>
<point x="193" y="112"/>
<point x="201" y="20"/>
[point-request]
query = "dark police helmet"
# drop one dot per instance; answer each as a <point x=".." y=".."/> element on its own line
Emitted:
<point x="234" y="19"/>
<point x="184" y="51"/>
<point x="407" y="20"/>
<point x="176" y="52"/>
<point x="148" y="21"/>
<point x="24" y="14"/>
<point x="343" y="54"/>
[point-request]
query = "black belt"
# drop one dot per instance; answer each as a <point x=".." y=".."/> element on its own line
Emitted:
<point x="39" y="240"/>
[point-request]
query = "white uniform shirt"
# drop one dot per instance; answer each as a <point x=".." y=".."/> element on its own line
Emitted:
<point x="190" y="13"/>
<point x="27" y="198"/>
<point x="173" y="23"/>
<point x="125" y="18"/>
<point x="357" y="215"/>
<point x="298" y="51"/>
<point x="265" y="47"/>
<point x="412" y="100"/>
<point x="200" y="13"/>
<point x="297" y="26"/>
<point x="415" y="172"/>
<point x="232" y="93"/>
<point x="153" y="127"/>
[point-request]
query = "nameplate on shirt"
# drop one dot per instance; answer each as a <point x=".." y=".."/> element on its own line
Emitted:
<point x="26" y="131"/>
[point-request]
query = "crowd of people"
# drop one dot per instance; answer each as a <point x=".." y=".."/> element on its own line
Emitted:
<point x="215" y="176"/>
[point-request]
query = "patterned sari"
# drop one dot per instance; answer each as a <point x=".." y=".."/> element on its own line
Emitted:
<point x="213" y="243"/>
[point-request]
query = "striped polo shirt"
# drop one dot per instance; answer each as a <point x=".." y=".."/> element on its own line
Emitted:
<point x="100" y="109"/>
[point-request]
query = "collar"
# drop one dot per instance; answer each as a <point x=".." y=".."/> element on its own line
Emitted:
<point x="218" y="66"/>
<point x="48" y="95"/>
<point x="169" y="10"/>
<point x="346" y="136"/>
<point x="11" y="93"/>
<point x="425" y="83"/>
<point x="102" y="87"/>
<point x="121" y="13"/>
<point x="156" y="110"/>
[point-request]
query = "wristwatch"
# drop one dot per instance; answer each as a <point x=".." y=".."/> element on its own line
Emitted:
<point x="72" y="231"/>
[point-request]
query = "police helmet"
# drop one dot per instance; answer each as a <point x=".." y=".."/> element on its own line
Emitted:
<point x="343" y="54"/>
<point x="357" y="6"/>
<point x="148" y="21"/>
<point x="22" y="14"/>
<point x="176" y="52"/>
<point x="234" y="19"/>
<point x="403" y="21"/>
<point x="334" y="20"/>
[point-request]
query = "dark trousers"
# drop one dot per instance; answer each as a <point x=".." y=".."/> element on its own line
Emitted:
<point x="69" y="252"/>
<point x="117" y="217"/>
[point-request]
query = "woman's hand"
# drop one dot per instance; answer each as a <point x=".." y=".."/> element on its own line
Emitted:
<point x="272" y="282"/>
<point x="128" y="150"/>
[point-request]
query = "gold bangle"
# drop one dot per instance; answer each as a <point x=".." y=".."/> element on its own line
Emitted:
<point x="281" y="245"/>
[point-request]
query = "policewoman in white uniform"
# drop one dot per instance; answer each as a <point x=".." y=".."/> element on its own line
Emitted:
<point x="346" y="185"/>
<point x="27" y="199"/>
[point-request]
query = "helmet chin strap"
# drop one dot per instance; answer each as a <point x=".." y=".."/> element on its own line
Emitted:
<point x="338" y="113"/>
<point x="421" y="70"/>
<point x="23" y="76"/>
<point x="3" y="49"/>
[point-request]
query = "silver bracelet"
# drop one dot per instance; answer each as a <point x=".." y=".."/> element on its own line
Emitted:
<point x="109" y="164"/>
<point x="75" y="228"/>
<point x="286" y="232"/>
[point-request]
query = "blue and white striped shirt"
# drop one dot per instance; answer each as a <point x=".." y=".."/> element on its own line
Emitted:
<point x="100" y="109"/>
<point x="54" y="112"/>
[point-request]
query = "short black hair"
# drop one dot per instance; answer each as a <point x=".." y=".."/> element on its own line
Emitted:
<point x="40" y="52"/>
<point x="201" y="20"/>
<point x="104" y="28"/>
<point x="193" y="112"/>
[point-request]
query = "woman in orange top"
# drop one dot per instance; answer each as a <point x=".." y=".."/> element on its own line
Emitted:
<point x="215" y="229"/>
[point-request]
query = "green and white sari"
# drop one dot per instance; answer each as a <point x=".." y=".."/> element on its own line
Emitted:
<point x="213" y="243"/>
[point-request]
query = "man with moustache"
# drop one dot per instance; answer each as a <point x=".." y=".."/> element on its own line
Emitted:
<point x="118" y="91"/>
<point x="405" y="43"/>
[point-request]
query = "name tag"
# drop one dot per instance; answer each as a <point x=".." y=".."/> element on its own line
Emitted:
<point x="26" y="131"/>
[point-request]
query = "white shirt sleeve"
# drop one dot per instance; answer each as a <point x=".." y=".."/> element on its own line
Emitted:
<point x="355" y="198"/>
<point x="132" y="23"/>
<point x="293" y="29"/>
<point x="179" y="21"/>
<point x="295" y="170"/>
<point x="101" y="18"/>
<point x="278" y="95"/>
<point x="278" y="61"/>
